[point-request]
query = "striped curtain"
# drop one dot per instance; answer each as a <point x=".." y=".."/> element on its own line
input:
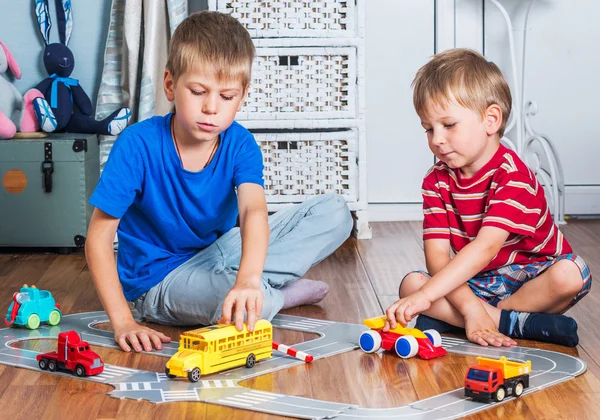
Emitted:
<point x="135" y="59"/>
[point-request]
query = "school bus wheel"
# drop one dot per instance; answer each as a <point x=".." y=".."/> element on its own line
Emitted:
<point x="167" y="372"/>
<point x="250" y="360"/>
<point x="194" y="375"/>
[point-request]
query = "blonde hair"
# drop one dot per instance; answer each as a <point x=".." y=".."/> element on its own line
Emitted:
<point x="214" y="41"/>
<point x="464" y="76"/>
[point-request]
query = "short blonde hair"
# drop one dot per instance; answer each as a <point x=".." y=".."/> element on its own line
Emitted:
<point x="464" y="76"/>
<point x="215" y="42"/>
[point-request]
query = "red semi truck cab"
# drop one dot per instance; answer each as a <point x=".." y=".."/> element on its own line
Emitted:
<point x="72" y="354"/>
<point x="494" y="379"/>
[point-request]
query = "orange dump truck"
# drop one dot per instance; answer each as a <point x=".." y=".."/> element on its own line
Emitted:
<point x="494" y="379"/>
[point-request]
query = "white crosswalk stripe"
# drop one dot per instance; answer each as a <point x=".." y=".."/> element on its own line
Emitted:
<point x="228" y="383"/>
<point x="133" y="386"/>
<point x="180" y="395"/>
<point x="111" y="371"/>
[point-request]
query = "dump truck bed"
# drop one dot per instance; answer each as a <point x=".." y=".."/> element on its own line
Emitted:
<point x="509" y="367"/>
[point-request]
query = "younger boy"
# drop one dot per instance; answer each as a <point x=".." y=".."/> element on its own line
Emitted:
<point x="174" y="185"/>
<point x="513" y="272"/>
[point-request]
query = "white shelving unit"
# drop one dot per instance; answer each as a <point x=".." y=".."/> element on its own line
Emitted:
<point x="306" y="105"/>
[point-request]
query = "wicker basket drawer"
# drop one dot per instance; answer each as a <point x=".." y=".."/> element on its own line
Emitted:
<point x="303" y="82"/>
<point x="292" y="18"/>
<point x="300" y="165"/>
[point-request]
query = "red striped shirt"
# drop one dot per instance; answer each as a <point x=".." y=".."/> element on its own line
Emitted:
<point x="504" y="193"/>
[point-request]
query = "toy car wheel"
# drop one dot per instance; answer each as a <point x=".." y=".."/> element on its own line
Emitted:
<point x="168" y="373"/>
<point x="80" y="371"/>
<point x="43" y="363"/>
<point x="519" y="389"/>
<point x="51" y="365"/>
<point x="406" y="346"/>
<point x="434" y="337"/>
<point x="54" y="318"/>
<point x="250" y="360"/>
<point x="370" y="341"/>
<point x="500" y="394"/>
<point x="194" y="375"/>
<point x="33" y="321"/>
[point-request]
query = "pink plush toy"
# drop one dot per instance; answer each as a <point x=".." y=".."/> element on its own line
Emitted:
<point x="16" y="111"/>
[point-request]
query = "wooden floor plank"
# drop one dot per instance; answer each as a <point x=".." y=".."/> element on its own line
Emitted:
<point x="395" y="252"/>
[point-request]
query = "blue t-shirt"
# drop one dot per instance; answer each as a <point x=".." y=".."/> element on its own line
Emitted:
<point x="168" y="213"/>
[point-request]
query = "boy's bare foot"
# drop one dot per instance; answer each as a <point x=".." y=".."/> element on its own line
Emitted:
<point x="303" y="292"/>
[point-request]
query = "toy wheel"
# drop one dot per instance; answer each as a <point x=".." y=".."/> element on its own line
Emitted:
<point x="406" y="346"/>
<point x="168" y="373"/>
<point x="370" y="341"/>
<point x="43" y="364"/>
<point x="51" y="365"/>
<point x="54" y="318"/>
<point x="33" y="322"/>
<point x="500" y="394"/>
<point x="434" y="337"/>
<point x="80" y="371"/>
<point x="194" y="375"/>
<point x="519" y="389"/>
<point x="250" y="360"/>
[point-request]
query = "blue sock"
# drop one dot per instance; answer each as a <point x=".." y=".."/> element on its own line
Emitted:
<point x="550" y="328"/>
<point x="425" y="322"/>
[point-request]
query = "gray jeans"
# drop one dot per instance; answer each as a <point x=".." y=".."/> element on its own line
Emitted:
<point x="301" y="236"/>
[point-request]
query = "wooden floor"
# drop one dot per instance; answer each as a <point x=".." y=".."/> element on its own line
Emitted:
<point x="363" y="277"/>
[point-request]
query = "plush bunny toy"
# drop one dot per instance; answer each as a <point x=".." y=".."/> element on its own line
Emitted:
<point x="16" y="112"/>
<point x="56" y="111"/>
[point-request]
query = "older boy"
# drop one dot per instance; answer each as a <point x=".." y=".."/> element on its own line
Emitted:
<point x="174" y="185"/>
<point x="514" y="273"/>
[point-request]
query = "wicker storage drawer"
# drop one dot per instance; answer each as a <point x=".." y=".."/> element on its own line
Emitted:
<point x="300" y="165"/>
<point x="292" y="18"/>
<point x="303" y="82"/>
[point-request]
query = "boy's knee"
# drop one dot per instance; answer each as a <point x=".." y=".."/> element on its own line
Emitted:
<point x="339" y="213"/>
<point x="566" y="279"/>
<point x="411" y="283"/>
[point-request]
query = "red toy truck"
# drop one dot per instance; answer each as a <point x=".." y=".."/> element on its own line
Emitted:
<point x="494" y="379"/>
<point x="73" y="355"/>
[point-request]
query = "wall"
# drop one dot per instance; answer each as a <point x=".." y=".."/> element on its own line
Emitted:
<point x="19" y="31"/>
<point x="399" y="40"/>
<point x="562" y="68"/>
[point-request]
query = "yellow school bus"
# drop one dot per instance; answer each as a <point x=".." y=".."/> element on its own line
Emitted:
<point x="220" y="347"/>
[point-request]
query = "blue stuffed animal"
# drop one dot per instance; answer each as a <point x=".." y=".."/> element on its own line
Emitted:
<point x="65" y="106"/>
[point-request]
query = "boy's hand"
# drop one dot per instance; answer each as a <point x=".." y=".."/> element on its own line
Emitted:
<point x="403" y="310"/>
<point x="139" y="337"/>
<point x="242" y="297"/>
<point x="481" y="329"/>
